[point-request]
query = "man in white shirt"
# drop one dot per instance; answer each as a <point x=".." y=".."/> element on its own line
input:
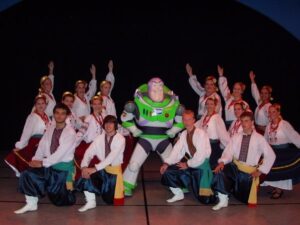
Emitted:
<point x="106" y="177"/>
<point x="239" y="167"/>
<point x="52" y="167"/>
<point x="188" y="163"/>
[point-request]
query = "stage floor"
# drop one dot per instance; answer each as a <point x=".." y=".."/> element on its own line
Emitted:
<point x="147" y="206"/>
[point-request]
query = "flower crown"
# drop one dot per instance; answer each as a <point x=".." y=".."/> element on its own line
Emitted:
<point x="212" y="78"/>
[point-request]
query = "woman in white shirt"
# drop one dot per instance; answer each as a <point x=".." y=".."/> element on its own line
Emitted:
<point x="215" y="128"/>
<point x="230" y="98"/>
<point x="91" y="128"/>
<point x="73" y="120"/>
<point x="285" y="142"/>
<point x="106" y="87"/>
<point x="46" y="89"/>
<point x="208" y="91"/>
<point x="34" y="128"/>
<point x="81" y="106"/>
<point x="262" y="100"/>
<point x="235" y="126"/>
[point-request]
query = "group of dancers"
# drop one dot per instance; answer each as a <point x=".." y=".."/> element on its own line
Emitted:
<point x="77" y="143"/>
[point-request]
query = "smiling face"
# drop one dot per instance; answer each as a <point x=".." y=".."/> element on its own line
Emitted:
<point x="68" y="101"/>
<point x="210" y="106"/>
<point x="210" y="86"/>
<point x="105" y="89"/>
<point x="274" y="114"/>
<point x="97" y="105"/>
<point x="47" y="85"/>
<point x="80" y="89"/>
<point x="109" y="127"/>
<point x="156" y="90"/>
<point x="238" y="110"/>
<point x="237" y="90"/>
<point x="40" y="105"/>
<point x="265" y="95"/>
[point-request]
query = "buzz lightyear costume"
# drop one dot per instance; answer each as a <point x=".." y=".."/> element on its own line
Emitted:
<point x="154" y="117"/>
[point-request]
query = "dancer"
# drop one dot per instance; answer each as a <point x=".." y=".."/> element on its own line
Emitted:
<point x="81" y="106"/>
<point x="188" y="163"/>
<point x="236" y="125"/>
<point x="46" y="89"/>
<point x="230" y="98"/>
<point x="25" y="148"/>
<point x="105" y="178"/>
<point x="52" y="167"/>
<point x="285" y="142"/>
<point x="239" y="169"/>
<point x="106" y="88"/>
<point x="209" y="91"/>
<point x="91" y="128"/>
<point x="262" y="100"/>
<point x="213" y="124"/>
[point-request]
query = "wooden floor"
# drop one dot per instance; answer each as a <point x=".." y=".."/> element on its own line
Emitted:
<point x="147" y="206"/>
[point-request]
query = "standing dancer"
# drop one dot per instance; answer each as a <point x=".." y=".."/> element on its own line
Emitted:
<point x="230" y="98"/>
<point x="46" y="89"/>
<point x="209" y="91"/>
<point x="68" y="99"/>
<point x="285" y="142"/>
<point x="213" y="124"/>
<point x="236" y="125"/>
<point x="262" y="100"/>
<point x="91" y="128"/>
<point x="106" y="88"/>
<point x="81" y="106"/>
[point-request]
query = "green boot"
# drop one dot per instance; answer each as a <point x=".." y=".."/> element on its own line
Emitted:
<point x="128" y="188"/>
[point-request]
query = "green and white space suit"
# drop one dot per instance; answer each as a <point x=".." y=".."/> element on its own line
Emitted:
<point x="154" y="123"/>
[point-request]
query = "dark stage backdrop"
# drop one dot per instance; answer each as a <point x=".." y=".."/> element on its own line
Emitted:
<point x="144" y="40"/>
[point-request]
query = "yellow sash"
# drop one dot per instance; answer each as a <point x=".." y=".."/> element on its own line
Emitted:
<point x="117" y="170"/>
<point x="255" y="181"/>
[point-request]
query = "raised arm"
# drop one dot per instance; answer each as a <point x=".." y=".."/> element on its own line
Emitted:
<point x="254" y="89"/>
<point x="93" y="83"/>
<point x="50" y="73"/>
<point x="195" y="84"/>
<point x="223" y="85"/>
<point x="110" y="75"/>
